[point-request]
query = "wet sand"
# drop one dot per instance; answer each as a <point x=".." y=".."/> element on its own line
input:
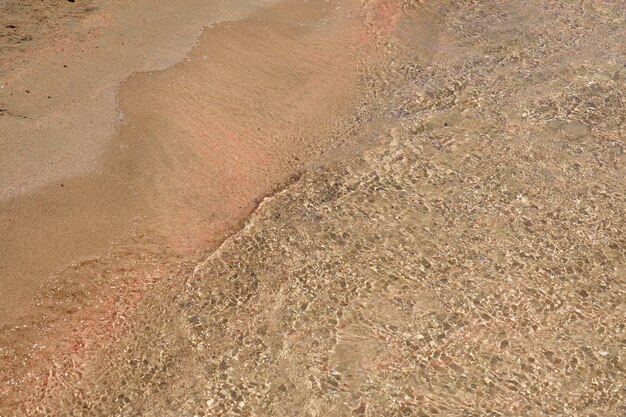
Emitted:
<point x="64" y="195"/>
<point x="61" y="66"/>
<point x="451" y="244"/>
<point x="199" y="145"/>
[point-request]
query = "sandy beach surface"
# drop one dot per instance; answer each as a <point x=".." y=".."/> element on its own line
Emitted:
<point x="61" y="67"/>
<point x="317" y="208"/>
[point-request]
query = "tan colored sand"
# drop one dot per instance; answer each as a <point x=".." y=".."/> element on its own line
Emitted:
<point x="461" y="253"/>
<point x="199" y="145"/>
<point x="58" y="94"/>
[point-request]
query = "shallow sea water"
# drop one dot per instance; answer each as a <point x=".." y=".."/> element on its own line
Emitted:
<point x="465" y="259"/>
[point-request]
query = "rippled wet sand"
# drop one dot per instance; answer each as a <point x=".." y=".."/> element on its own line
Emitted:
<point x="460" y="252"/>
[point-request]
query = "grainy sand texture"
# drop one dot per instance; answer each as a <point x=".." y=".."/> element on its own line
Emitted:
<point x="313" y="208"/>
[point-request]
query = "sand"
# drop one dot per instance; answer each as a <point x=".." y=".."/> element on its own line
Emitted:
<point x="187" y="154"/>
<point x="60" y="80"/>
<point x="348" y="208"/>
<point x="181" y="155"/>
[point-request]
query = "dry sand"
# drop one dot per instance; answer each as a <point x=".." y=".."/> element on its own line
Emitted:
<point x="443" y="232"/>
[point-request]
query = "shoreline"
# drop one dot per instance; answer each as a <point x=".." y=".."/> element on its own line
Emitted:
<point x="148" y="229"/>
<point x="414" y="207"/>
<point x="64" y="76"/>
<point x="60" y="116"/>
<point x="71" y="215"/>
